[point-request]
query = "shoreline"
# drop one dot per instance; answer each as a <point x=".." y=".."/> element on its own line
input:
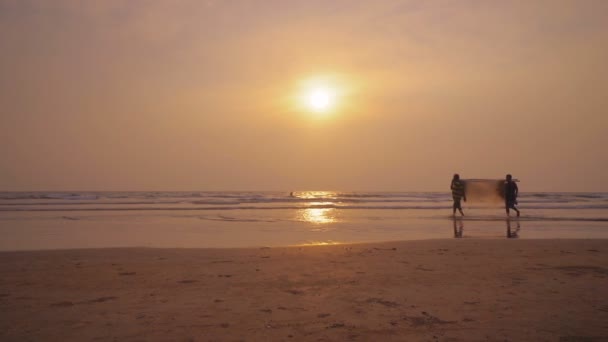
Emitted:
<point x="439" y="289"/>
<point x="304" y="245"/>
<point x="243" y="231"/>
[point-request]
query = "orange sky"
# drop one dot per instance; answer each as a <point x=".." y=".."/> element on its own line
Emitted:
<point x="198" y="95"/>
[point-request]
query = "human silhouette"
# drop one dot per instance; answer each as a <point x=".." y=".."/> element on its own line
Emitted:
<point x="458" y="193"/>
<point x="511" y="192"/>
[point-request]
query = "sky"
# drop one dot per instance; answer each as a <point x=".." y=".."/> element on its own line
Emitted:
<point x="206" y="95"/>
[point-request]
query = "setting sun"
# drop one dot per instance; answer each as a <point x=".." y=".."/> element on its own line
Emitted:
<point x="322" y="94"/>
<point x="320" y="99"/>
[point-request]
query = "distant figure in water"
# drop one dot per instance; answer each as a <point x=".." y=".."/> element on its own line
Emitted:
<point x="511" y="192"/>
<point x="457" y="187"/>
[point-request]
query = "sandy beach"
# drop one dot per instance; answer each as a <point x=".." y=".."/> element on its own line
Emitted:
<point x="303" y="170"/>
<point x="446" y="290"/>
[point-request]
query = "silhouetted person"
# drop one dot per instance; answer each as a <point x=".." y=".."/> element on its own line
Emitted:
<point x="511" y="192"/>
<point x="457" y="187"/>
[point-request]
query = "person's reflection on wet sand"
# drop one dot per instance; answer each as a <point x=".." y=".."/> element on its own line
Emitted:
<point x="512" y="234"/>
<point x="458" y="227"/>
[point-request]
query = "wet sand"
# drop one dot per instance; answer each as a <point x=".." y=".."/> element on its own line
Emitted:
<point x="446" y="290"/>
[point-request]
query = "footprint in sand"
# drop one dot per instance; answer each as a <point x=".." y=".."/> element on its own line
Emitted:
<point x="101" y="299"/>
<point x="425" y="320"/>
<point x="63" y="304"/>
<point x="381" y="301"/>
<point x="421" y="268"/>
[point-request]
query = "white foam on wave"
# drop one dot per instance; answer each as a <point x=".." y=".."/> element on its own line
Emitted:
<point x="205" y="201"/>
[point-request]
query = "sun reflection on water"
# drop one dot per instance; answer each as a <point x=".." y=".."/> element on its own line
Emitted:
<point x="318" y="212"/>
<point x="317" y="215"/>
<point x="320" y="243"/>
<point x="315" y="194"/>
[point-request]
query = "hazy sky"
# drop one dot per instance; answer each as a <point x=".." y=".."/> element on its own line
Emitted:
<point x="200" y="95"/>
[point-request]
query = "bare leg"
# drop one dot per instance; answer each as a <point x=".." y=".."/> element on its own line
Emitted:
<point x="511" y="206"/>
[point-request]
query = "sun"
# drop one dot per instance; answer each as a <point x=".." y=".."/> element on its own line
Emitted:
<point x="320" y="99"/>
<point x="322" y="96"/>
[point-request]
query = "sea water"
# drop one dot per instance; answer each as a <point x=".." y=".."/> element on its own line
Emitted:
<point x="50" y="220"/>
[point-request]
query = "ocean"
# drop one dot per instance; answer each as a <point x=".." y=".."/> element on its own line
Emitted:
<point x="51" y="220"/>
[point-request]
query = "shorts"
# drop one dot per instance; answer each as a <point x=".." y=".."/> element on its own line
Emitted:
<point x="457" y="204"/>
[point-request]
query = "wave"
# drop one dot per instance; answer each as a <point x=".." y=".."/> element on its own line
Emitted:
<point x="50" y="196"/>
<point x="288" y="207"/>
<point x="133" y="201"/>
<point x="235" y="219"/>
<point x="281" y="196"/>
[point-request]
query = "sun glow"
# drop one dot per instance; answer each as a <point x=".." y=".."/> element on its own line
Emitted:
<point x="321" y="95"/>
<point x="320" y="99"/>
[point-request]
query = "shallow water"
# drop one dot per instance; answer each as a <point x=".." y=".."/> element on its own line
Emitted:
<point x="43" y="220"/>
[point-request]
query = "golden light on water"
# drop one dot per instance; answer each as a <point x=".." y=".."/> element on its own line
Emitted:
<point x="318" y="212"/>
<point x="321" y="243"/>
<point x="317" y="215"/>
<point x="316" y="194"/>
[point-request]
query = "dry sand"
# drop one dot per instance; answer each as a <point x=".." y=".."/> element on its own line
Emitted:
<point x="446" y="290"/>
